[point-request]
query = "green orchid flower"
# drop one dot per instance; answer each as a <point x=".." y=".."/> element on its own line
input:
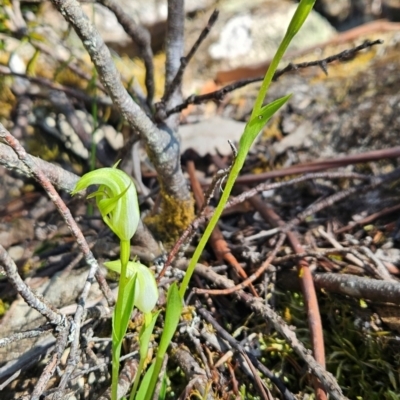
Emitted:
<point x="146" y="291"/>
<point x="116" y="199"/>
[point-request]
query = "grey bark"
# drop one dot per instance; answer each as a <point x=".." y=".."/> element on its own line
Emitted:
<point x="162" y="145"/>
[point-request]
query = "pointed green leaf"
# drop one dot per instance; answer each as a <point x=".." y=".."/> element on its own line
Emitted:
<point x="164" y="387"/>
<point x="299" y="17"/>
<point x="172" y="315"/>
<point x="144" y="386"/>
<point x="255" y="125"/>
<point x="145" y="335"/>
<point x="144" y="341"/>
<point x="123" y="310"/>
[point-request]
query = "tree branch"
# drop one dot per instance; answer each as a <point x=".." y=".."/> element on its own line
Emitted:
<point x="163" y="148"/>
<point x="174" y="46"/>
<point x="54" y="317"/>
<point x="141" y="36"/>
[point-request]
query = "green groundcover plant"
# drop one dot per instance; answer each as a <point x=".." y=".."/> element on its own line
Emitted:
<point x="117" y="201"/>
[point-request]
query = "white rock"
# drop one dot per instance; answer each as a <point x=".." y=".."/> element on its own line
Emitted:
<point x="210" y="135"/>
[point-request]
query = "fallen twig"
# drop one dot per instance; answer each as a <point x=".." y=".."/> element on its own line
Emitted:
<point x="218" y="95"/>
<point x="326" y="378"/>
<point x="26" y="335"/>
<point x="225" y="335"/>
<point x="53" y="316"/>
<point x="184" y="61"/>
<point x="359" y="287"/>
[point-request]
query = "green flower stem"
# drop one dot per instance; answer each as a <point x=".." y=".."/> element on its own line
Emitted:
<point x="259" y="117"/>
<point x="237" y="166"/>
<point x="125" y="251"/>
<point x="116" y="354"/>
<point x="302" y="12"/>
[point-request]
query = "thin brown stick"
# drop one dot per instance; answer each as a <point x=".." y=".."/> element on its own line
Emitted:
<point x="307" y="288"/>
<point x="336" y="197"/>
<point x="369" y="219"/>
<point x="106" y="101"/>
<point x="53" y="316"/>
<point x="287" y="395"/>
<point x="184" y="61"/>
<point x="218" y="95"/>
<point x="359" y="287"/>
<point x="321" y="165"/>
<point x="326" y="378"/>
<point x="51" y="366"/>
<point x="356" y="258"/>
<point x="247" y="194"/>
<point x="190" y="231"/>
<point x="251" y="278"/>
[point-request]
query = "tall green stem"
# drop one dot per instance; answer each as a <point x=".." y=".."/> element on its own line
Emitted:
<point x="257" y="121"/>
<point x="118" y="335"/>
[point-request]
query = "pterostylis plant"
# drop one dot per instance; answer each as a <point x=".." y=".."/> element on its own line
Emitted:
<point x="117" y="201"/>
<point x="259" y="117"/>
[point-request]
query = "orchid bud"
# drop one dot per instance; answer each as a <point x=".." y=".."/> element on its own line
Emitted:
<point x="146" y="291"/>
<point x="116" y="199"/>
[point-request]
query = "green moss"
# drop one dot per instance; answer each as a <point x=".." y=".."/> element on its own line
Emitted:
<point x="7" y="99"/>
<point x="365" y="363"/>
<point x="3" y="307"/>
<point x="174" y="217"/>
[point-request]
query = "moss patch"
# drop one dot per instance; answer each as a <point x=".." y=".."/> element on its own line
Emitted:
<point x="174" y="217"/>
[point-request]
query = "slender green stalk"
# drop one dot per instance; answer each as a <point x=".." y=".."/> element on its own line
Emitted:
<point x="118" y="335"/>
<point x="172" y="315"/>
<point x="301" y="14"/>
<point x="144" y="340"/>
<point x="253" y="127"/>
<point x="116" y="355"/>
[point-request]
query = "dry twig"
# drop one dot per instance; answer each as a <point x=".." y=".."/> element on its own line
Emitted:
<point x="218" y="95"/>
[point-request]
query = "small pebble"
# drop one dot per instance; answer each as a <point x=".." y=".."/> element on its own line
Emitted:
<point x="16" y="252"/>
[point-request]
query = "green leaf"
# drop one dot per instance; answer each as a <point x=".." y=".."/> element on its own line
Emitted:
<point x="145" y="335"/>
<point x="123" y="310"/>
<point x="299" y="17"/>
<point x="256" y="124"/>
<point x="302" y="11"/>
<point x="163" y="389"/>
<point x="172" y="315"/>
<point x="144" y="386"/>
<point x="144" y="340"/>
